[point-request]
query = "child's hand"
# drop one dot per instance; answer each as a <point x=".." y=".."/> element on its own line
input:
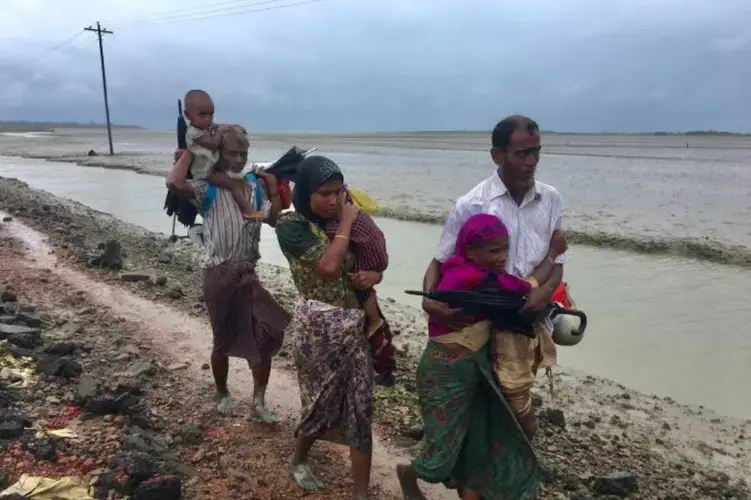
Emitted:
<point x="558" y="244"/>
<point x="365" y="280"/>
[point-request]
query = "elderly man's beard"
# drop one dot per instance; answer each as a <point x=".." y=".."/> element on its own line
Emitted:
<point x="527" y="184"/>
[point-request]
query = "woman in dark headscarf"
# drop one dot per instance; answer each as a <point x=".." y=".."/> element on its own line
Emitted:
<point x="331" y="351"/>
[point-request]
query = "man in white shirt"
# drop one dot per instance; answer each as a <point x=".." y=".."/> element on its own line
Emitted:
<point x="531" y="211"/>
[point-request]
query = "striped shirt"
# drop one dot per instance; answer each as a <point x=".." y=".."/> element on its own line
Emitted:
<point x="227" y="236"/>
<point x="530" y="225"/>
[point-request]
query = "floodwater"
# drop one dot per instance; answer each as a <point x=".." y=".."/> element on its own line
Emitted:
<point x="669" y="326"/>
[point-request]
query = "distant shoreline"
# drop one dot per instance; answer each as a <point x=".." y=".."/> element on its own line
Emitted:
<point x="688" y="133"/>
<point x="33" y="126"/>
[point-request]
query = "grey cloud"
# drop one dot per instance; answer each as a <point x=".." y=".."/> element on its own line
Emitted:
<point x="583" y="65"/>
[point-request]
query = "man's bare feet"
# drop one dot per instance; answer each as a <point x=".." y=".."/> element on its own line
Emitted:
<point x="408" y="482"/>
<point x="225" y="405"/>
<point x="303" y="476"/>
<point x="260" y="413"/>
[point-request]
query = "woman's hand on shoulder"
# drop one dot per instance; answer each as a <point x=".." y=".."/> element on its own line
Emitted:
<point x="347" y="211"/>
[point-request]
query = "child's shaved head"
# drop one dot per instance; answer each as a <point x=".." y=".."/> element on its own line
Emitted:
<point x="195" y="97"/>
<point x="199" y="108"/>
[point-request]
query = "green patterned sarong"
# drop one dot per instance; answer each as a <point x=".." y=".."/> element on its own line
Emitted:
<point x="471" y="435"/>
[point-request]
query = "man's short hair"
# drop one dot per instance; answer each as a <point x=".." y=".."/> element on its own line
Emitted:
<point x="505" y="129"/>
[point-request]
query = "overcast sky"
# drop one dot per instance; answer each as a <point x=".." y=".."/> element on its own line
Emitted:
<point x="365" y="65"/>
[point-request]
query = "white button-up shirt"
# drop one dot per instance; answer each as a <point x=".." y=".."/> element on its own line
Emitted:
<point x="530" y="225"/>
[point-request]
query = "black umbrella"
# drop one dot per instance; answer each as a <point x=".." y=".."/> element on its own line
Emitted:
<point x="177" y="207"/>
<point x="286" y="166"/>
<point x="182" y="127"/>
<point x="501" y="307"/>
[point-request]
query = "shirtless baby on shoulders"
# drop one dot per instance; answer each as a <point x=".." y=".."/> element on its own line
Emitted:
<point x="203" y="139"/>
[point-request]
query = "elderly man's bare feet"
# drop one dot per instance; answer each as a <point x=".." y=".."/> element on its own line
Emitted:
<point x="225" y="405"/>
<point x="303" y="475"/>
<point x="408" y="482"/>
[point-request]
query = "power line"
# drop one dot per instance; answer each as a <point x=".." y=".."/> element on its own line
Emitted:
<point x="188" y="17"/>
<point x="51" y="50"/>
<point x="99" y="32"/>
<point x="202" y="9"/>
<point x="51" y="65"/>
<point x="65" y="42"/>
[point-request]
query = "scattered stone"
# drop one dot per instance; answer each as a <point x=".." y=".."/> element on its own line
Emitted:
<point x="161" y="281"/>
<point x="135" y="277"/>
<point x="175" y="293"/>
<point x="581" y="494"/>
<point x="131" y="349"/>
<point x="24" y="341"/>
<point x="139" y="468"/>
<point x="7" y="320"/>
<point x="554" y="416"/>
<point x="18" y="352"/>
<point x="7" y="218"/>
<point x="139" y="368"/>
<point x="536" y="401"/>
<point x="177" y="366"/>
<point x="619" y="484"/>
<point x="31" y="319"/>
<point x="14" y="496"/>
<point x="7" y="330"/>
<point x="415" y="432"/>
<point x="4" y="479"/>
<point x="12" y="425"/>
<point x="159" y="489"/>
<point x="8" y="296"/>
<point x="164" y="258"/>
<point x="43" y="449"/>
<point x="88" y="387"/>
<point x="103" y="405"/>
<point x="205" y="366"/>
<point x="192" y="434"/>
<point x="59" y="367"/>
<point x="111" y="257"/>
<point x="61" y="349"/>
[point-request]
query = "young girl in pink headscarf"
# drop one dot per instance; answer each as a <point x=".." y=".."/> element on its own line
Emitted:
<point x="471" y="439"/>
<point x="479" y="260"/>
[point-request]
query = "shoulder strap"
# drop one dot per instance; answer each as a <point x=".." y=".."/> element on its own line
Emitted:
<point x="259" y="190"/>
<point x="208" y="199"/>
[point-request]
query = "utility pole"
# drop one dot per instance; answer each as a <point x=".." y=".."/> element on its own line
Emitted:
<point x="99" y="32"/>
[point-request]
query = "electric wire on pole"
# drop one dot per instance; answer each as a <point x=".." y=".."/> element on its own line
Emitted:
<point x="99" y="32"/>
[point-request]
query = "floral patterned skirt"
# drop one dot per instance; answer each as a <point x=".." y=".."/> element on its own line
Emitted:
<point x="335" y="373"/>
<point x="471" y="436"/>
